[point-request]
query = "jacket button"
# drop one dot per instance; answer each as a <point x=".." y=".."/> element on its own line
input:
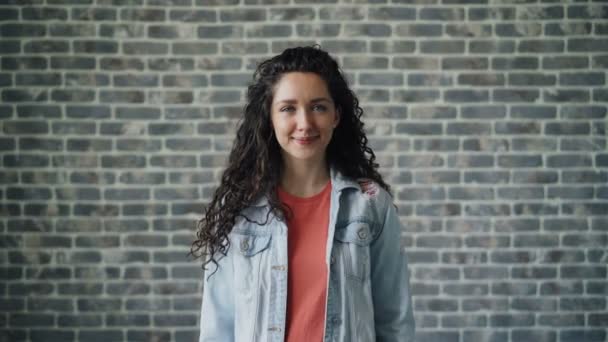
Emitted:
<point x="277" y="329"/>
<point x="332" y="260"/>
<point x="244" y="245"/>
<point x="362" y="233"/>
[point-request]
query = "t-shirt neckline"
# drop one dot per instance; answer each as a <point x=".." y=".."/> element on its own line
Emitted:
<point x="289" y="198"/>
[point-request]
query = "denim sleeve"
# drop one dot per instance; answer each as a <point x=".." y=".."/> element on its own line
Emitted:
<point x="217" y="310"/>
<point x="393" y="315"/>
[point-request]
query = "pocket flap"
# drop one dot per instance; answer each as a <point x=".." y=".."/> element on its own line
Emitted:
<point x="355" y="232"/>
<point x="250" y="245"/>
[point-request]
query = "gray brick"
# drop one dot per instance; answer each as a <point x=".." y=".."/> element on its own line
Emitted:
<point x="74" y="63"/>
<point x="145" y="47"/>
<point x="582" y="304"/>
<point x="485" y="144"/>
<point x="392" y="13"/>
<point x="129" y="30"/>
<point x="435" y="305"/>
<point x="187" y="303"/>
<point x="418" y="128"/>
<point x="458" y="321"/>
<point x="531" y="79"/>
<point x="491" y="46"/>
<point x="466" y="128"/>
<point x="436" y="273"/>
<point x="135" y="80"/>
<point x="117" y="63"/>
<point x="442" y="14"/>
<point x="442" y="46"/>
<point x="541" y="46"/>
<point x="410" y="96"/>
<point x="367" y="30"/>
<point x="534" y="335"/>
<point x="58" y="29"/>
<point x="468" y="30"/>
<point x="421" y="194"/>
<point x="485" y="335"/>
<point x="345" y="46"/>
<point x="100" y="335"/>
<point x="46" y="46"/>
<point x="435" y="145"/>
<point x="468" y="63"/>
<point x="566" y="160"/>
<point x="466" y="289"/>
<point x="459" y="193"/>
<point x="586" y="335"/>
<point x="429" y="80"/>
<point x="22" y="30"/>
<point x="304" y="14"/>
<point x="128" y="320"/>
<point x="519" y="161"/>
<point x="449" y="209"/>
<point x="9" y="14"/>
<point x="318" y="30"/>
<point x="31" y="320"/>
<point x="511" y="320"/>
<point x="535" y="209"/>
<point x="587" y="45"/>
<point x="9" y="47"/>
<point x="466" y="95"/>
<point x="146" y="241"/>
<point x="24" y="95"/>
<point x="519" y="30"/>
<point x="193" y="16"/>
<point x="144" y="335"/>
<point x="561" y="320"/>
<point x="51" y="335"/>
<point x="514" y="63"/>
<point x="242" y="15"/>
<point x="242" y="48"/>
<point x="595" y="319"/>
<point x="72" y="95"/>
<point x="418" y="30"/>
<point x="117" y="96"/>
<point x="93" y="14"/>
<point x="416" y="63"/>
<point x="480" y="13"/>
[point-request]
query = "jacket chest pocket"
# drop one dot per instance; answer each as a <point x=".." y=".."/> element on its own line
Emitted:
<point x="351" y="249"/>
<point x="250" y="252"/>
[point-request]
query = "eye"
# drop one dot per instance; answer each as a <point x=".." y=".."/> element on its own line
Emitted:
<point x="320" y="108"/>
<point x="286" y="109"/>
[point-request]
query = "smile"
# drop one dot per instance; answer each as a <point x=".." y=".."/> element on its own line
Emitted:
<point x="306" y="140"/>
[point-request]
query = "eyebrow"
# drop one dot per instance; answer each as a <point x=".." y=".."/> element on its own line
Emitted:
<point x="318" y="99"/>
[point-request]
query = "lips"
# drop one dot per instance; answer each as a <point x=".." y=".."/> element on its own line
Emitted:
<point x="305" y="140"/>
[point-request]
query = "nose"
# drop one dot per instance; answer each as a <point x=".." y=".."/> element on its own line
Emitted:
<point x="304" y="120"/>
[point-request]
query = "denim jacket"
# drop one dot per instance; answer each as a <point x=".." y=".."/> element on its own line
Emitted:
<point x="368" y="295"/>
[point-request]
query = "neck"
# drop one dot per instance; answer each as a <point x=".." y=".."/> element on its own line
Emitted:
<point x="304" y="180"/>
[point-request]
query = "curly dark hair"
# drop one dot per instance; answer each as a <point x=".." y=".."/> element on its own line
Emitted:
<point x="255" y="162"/>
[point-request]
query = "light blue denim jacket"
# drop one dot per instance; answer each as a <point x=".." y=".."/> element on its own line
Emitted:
<point x="368" y="295"/>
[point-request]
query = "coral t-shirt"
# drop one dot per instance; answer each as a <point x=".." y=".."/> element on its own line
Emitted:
<point x="307" y="270"/>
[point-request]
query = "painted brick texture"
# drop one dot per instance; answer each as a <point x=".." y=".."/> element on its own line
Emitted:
<point x="488" y="118"/>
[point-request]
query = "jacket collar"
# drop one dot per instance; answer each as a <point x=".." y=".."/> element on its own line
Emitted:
<point x="338" y="182"/>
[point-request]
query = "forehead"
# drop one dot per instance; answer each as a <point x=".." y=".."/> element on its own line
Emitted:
<point x="299" y="86"/>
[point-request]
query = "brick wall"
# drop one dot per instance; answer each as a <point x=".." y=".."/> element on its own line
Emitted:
<point x="488" y="117"/>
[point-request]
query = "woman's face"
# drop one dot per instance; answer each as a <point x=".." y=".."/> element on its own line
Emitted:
<point x="303" y="117"/>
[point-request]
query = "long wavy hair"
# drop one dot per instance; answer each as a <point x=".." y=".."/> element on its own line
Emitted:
<point x="255" y="162"/>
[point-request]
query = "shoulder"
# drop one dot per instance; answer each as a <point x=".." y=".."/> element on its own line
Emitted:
<point x="366" y="201"/>
<point x="372" y="191"/>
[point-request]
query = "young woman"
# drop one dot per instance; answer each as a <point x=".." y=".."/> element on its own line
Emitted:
<point x="302" y="238"/>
